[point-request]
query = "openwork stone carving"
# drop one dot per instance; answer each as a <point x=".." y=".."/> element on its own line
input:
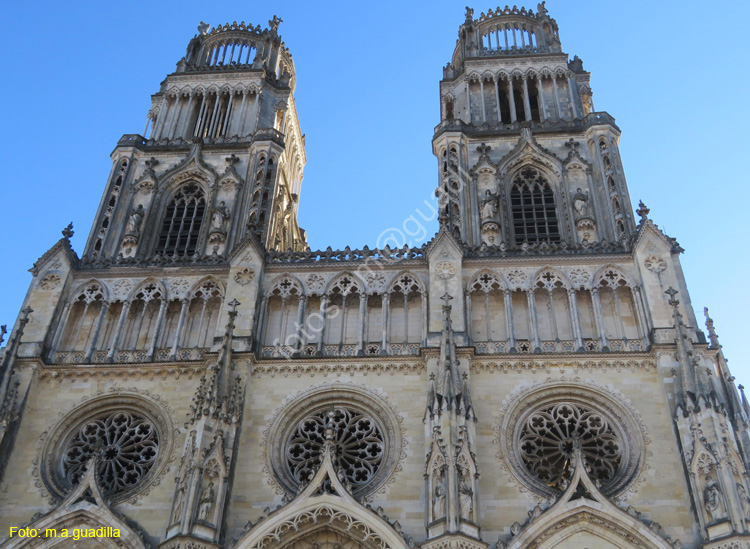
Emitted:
<point x="539" y="426"/>
<point x="131" y="434"/>
<point x="579" y="276"/>
<point x="375" y="281"/>
<point x="655" y="264"/>
<point x="445" y="270"/>
<point x="121" y="288"/>
<point x="127" y="446"/>
<point x="550" y="435"/>
<point x="50" y="282"/>
<point x="315" y="282"/>
<point x="178" y="288"/>
<point x="358" y="442"/>
<point x="244" y="277"/>
<point x="367" y="433"/>
<point x="517" y="277"/>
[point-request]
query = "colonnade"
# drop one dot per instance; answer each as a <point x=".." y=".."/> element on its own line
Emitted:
<point x="204" y="114"/>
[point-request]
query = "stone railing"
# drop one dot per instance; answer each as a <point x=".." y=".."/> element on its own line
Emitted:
<point x="347" y="254"/>
<point x="592" y="119"/>
<point x="548" y="248"/>
<point x="136" y="356"/>
<point x="564" y="346"/>
<point x="349" y="350"/>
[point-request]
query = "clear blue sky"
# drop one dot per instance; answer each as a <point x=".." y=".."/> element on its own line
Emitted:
<point x="674" y="75"/>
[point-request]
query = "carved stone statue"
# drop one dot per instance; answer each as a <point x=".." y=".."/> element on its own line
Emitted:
<point x="219" y="218"/>
<point x="438" y="498"/>
<point x="489" y="206"/>
<point x="581" y="203"/>
<point x="206" y="501"/>
<point x="715" y="505"/>
<point x="180" y="502"/>
<point x="744" y="501"/>
<point x="135" y="219"/>
<point x="465" y="499"/>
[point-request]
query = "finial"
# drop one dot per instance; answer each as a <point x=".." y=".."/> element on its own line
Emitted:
<point x="642" y="211"/>
<point x="572" y="144"/>
<point x="469" y="14"/>
<point x="712" y="335"/>
<point x="541" y="8"/>
<point x="484" y="148"/>
<point x="432" y="374"/>
<point x="3" y="331"/>
<point x="465" y="375"/>
<point x="67" y="232"/>
<point x="671" y="292"/>
<point x="234" y="304"/>
<point x="447" y="298"/>
<point x="203" y="28"/>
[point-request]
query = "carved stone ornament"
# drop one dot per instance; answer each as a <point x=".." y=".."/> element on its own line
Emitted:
<point x="315" y="282"/>
<point x="50" y="282"/>
<point x="367" y="435"/>
<point x="445" y="270"/>
<point x="655" y="264"/>
<point x="375" y="281"/>
<point x="517" y="277"/>
<point x="244" y="277"/>
<point x="121" y="288"/>
<point x="132" y="435"/>
<point x="579" y="276"/>
<point x="178" y="288"/>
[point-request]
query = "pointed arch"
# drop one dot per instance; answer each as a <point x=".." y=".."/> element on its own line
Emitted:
<point x="615" y="291"/>
<point x="85" y="508"/>
<point x="488" y="320"/>
<point x="407" y="314"/>
<point x="325" y="505"/>
<point x="284" y="298"/>
<point x="86" y="306"/>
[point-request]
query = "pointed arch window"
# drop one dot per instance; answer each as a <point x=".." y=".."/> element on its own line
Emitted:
<point x="533" y="208"/>
<point x="182" y="222"/>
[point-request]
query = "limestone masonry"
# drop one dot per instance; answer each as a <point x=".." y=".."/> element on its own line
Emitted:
<point x="532" y="377"/>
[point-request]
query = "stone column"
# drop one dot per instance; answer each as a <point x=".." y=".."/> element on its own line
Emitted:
<point x="575" y="319"/>
<point x="324" y="317"/>
<point x="424" y="319"/>
<point x="484" y="109"/>
<point x="644" y="330"/>
<point x="180" y="326"/>
<point x="362" y="315"/>
<point x="262" y="321"/>
<point x="300" y="333"/>
<point x="118" y="331"/>
<point x="182" y="126"/>
<point x="531" y="299"/>
<point x="497" y="100"/>
<point x="526" y="103"/>
<point x="386" y="314"/>
<point x="572" y="87"/>
<point x="175" y="115"/>
<point x="468" y="98"/>
<point x="512" y="100"/>
<point x="97" y="330"/>
<point x="234" y="125"/>
<point x="60" y="329"/>
<point x="540" y="98"/>
<point x="467" y="297"/>
<point x="157" y="329"/>
<point x="603" y="341"/>
<point x="508" y="297"/>
<point x="557" y="97"/>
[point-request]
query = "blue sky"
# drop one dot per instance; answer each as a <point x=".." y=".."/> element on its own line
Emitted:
<point x="79" y="75"/>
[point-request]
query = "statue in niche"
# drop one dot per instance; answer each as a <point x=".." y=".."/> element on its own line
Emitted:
<point x="438" y="497"/>
<point x="489" y="206"/>
<point x="135" y="219"/>
<point x="465" y="497"/>
<point x="744" y="501"/>
<point x="581" y="203"/>
<point x="715" y="505"/>
<point x="180" y="501"/>
<point x="206" y="501"/>
<point x="219" y="218"/>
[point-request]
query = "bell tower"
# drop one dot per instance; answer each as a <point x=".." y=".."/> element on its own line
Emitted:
<point x="221" y="158"/>
<point x="524" y="160"/>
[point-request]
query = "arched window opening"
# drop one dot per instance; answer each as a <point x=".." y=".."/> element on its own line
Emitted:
<point x="281" y="313"/>
<point x="141" y="324"/>
<point x="533" y="208"/>
<point x="183" y="218"/>
<point x="504" y="102"/>
<point x="406" y="313"/>
<point x="553" y="312"/>
<point x="488" y="316"/>
<point x="203" y="316"/>
<point x="618" y="309"/>
<point x="82" y="320"/>
<point x="533" y="84"/>
<point x="342" y="330"/>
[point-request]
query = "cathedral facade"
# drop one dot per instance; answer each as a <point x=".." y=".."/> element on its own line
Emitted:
<point x="532" y="377"/>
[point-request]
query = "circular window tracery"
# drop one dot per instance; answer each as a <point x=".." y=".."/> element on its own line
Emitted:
<point x="543" y="425"/>
<point x="126" y="444"/>
<point x="550" y="435"/>
<point x="366" y="434"/>
<point x="130" y="435"/>
<point x="358" y="445"/>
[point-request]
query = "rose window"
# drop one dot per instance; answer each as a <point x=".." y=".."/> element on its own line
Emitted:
<point x="359" y="447"/>
<point x="549" y="436"/>
<point x="127" y="446"/>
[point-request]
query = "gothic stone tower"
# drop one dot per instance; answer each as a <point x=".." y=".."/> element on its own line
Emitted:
<point x="534" y="376"/>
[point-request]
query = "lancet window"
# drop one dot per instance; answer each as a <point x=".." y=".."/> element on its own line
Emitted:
<point x="282" y="312"/>
<point x="553" y="310"/>
<point x="533" y="208"/>
<point x="82" y="321"/>
<point x="406" y="315"/>
<point x="183" y="218"/>
<point x="489" y="322"/>
<point x="619" y="311"/>
<point x="344" y="318"/>
<point x="202" y="316"/>
<point x="141" y="324"/>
